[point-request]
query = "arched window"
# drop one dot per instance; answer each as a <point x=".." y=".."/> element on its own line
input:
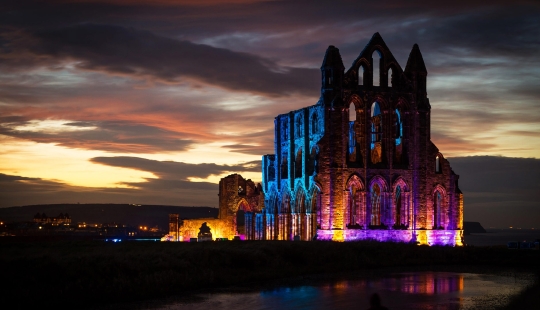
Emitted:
<point x="437" y="210"/>
<point x="360" y="75"/>
<point x="399" y="206"/>
<point x="352" y="112"/>
<point x="298" y="164"/>
<point x="376" y="133"/>
<point x="437" y="164"/>
<point x="314" y="123"/>
<point x="390" y="72"/>
<point x="352" y="132"/>
<point x="271" y="172"/>
<point x="399" y="128"/>
<point x="376" y="56"/>
<point x="284" y="166"/>
<point x="285" y="129"/>
<point x="299" y="126"/>
<point x="311" y="167"/>
<point x="375" y="205"/>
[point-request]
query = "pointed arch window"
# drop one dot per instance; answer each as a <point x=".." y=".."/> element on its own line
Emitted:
<point x="352" y="132"/>
<point x="314" y="123"/>
<point x="298" y="164"/>
<point x="361" y="75"/>
<point x="437" y="210"/>
<point x="390" y="83"/>
<point x="375" y="205"/>
<point x="376" y="56"/>
<point x="437" y="164"/>
<point x="299" y="126"/>
<point x="398" y="206"/>
<point x="376" y="133"/>
<point x="285" y="129"/>
<point x="399" y="128"/>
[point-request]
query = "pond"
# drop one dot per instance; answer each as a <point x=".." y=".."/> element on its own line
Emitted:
<point x="415" y="290"/>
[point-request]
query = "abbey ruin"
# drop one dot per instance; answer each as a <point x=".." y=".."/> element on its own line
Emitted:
<point x="357" y="165"/>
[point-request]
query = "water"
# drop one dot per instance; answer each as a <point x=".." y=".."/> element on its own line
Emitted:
<point x="416" y="290"/>
<point x="502" y="236"/>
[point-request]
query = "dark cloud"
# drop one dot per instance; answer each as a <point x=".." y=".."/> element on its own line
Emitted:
<point x="112" y="136"/>
<point x="175" y="170"/>
<point x="127" y="51"/>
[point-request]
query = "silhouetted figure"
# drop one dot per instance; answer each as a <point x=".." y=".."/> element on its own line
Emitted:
<point x="375" y="303"/>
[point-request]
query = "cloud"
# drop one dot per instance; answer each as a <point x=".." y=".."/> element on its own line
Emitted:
<point x="18" y="191"/>
<point x="112" y="136"/>
<point x="142" y="54"/>
<point x="175" y="170"/>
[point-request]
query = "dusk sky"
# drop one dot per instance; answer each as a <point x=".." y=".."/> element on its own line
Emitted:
<point x="152" y="102"/>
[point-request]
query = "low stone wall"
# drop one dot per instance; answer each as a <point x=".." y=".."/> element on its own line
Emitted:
<point x="426" y="237"/>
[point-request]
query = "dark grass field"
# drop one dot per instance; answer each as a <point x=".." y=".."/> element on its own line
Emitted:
<point x="78" y="274"/>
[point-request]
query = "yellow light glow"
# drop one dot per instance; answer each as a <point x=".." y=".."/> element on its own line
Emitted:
<point x="71" y="166"/>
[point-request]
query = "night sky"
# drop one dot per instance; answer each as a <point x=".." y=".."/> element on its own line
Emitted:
<point x="152" y="102"/>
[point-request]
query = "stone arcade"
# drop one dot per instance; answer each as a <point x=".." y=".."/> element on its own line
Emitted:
<point x="357" y="165"/>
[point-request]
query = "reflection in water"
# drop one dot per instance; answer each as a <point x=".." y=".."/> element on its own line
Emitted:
<point x="418" y="290"/>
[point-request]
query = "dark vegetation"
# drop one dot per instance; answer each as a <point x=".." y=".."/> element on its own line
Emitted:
<point x="76" y="274"/>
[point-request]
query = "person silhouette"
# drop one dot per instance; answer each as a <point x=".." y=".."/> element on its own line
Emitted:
<point x="375" y="303"/>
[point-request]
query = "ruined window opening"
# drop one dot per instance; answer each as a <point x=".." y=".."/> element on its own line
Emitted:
<point x="376" y="65"/>
<point x="376" y="133"/>
<point x="390" y="72"/>
<point x="298" y="165"/>
<point x="352" y="132"/>
<point x="314" y="123"/>
<point x="437" y="164"/>
<point x="271" y="172"/>
<point x="299" y="126"/>
<point x="437" y="215"/>
<point x="375" y="205"/>
<point x="398" y="128"/>
<point x="352" y="137"/>
<point x="398" y="205"/>
<point x="285" y="130"/>
<point x="284" y="167"/>
<point x="360" y="75"/>
<point x="352" y="112"/>
<point x="312" y="161"/>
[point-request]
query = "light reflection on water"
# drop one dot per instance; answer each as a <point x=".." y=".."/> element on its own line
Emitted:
<point x="418" y="290"/>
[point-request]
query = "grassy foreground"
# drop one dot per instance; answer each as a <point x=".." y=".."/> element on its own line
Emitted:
<point x="73" y="274"/>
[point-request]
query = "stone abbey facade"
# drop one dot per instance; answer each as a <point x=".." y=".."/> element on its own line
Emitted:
<point x="359" y="164"/>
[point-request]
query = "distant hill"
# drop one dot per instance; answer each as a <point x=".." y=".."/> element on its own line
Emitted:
<point x="135" y="215"/>
<point x="473" y="228"/>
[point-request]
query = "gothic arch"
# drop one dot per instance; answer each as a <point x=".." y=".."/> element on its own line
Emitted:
<point x="439" y="207"/>
<point x="355" y="213"/>
<point x="243" y="205"/>
<point x="378" y="192"/>
<point x="401" y="212"/>
<point x="362" y="66"/>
